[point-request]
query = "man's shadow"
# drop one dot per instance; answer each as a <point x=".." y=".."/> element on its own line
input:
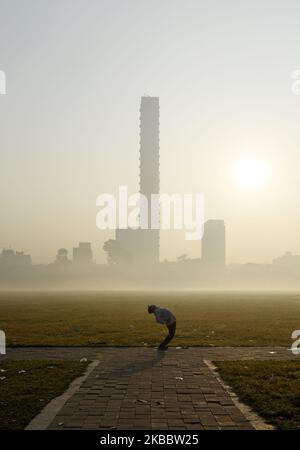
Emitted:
<point x="132" y="367"/>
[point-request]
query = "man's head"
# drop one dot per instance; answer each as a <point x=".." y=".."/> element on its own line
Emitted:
<point x="151" y="309"/>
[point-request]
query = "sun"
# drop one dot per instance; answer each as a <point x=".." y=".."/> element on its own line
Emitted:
<point x="251" y="173"/>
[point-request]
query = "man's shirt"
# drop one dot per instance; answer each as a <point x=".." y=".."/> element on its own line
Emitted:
<point x="164" y="316"/>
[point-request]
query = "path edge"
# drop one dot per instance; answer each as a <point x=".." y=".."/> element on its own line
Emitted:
<point x="42" y="420"/>
<point x="256" y="421"/>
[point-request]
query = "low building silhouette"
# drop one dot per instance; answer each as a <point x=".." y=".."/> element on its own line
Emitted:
<point x="138" y="245"/>
<point x="287" y="260"/>
<point x="62" y="257"/>
<point x="213" y="243"/>
<point x="11" y="258"/>
<point x="83" y="253"/>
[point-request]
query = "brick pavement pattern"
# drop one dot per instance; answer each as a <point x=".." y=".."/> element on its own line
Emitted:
<point x="140" y="388"/>
<point x="145" y="389"/>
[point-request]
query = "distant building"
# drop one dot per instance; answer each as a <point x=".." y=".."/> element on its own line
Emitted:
<point x="129" y="246"/>
<point x="142" y="245"/>
<point x="10" y="258"/>
<point x="62" y="256"/>
<point x="83" y="253"/>
<point x="213" y="242"/>
<point x="288" y="260"/>
<point x="137" y="245"/>
<point x="149" y="173"/>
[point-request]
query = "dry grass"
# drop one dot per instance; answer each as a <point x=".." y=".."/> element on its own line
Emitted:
<point x="271" y="388"/>
<point x="27" y="386"/>
<point x="120" y="318"/>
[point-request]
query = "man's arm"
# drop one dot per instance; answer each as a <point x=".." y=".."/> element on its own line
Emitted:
<point x="163" y="316"/>
<point x="167" y="317"/>
<point x="159" y="317"/>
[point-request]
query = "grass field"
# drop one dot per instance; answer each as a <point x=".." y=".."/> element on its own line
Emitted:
<point x="120" y="318"/>
<point x="27" y="386"/>
<point x="271" y="388"/>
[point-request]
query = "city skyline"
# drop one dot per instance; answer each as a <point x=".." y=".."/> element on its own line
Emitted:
<point x="218" y="248"/>
<point x="74" y="78"/>
<point x="143" y="245"/>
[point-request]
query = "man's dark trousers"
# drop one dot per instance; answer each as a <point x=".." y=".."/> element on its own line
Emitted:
<point x="172" y="329"/>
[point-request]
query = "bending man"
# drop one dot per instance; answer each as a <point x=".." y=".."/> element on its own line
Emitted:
<point x="164" y="317"/>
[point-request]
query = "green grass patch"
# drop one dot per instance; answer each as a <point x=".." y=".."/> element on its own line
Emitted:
<point x="27" y="386"/>
<point x="121" y="318"/>
<point x="271" y="388"/>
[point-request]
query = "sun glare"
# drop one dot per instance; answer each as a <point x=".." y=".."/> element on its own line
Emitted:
<point x="251" y="173"/>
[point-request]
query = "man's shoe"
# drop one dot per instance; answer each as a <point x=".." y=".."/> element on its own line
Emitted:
<point x="162" y="349"/>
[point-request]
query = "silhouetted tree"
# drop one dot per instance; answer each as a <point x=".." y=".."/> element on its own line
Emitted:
<point x="182" y="258"/>
<point x="115" y="253"/>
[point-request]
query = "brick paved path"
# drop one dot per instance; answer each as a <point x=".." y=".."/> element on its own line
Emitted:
<point x="134" y="388"/>
<point x="143" y="388"/>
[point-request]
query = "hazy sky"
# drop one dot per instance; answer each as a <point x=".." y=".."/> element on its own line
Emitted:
<point x="70" y="120"/>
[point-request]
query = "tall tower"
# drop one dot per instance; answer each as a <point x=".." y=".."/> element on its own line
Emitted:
<point x="142" y="245"/>
<point x="149" y="146"/>
<point x="149" y="172"/>
<point x="213" y="243"/>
